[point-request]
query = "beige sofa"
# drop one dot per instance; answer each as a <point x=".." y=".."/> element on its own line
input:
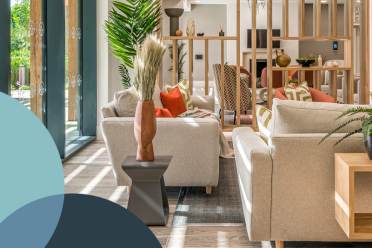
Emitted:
<point x="287" y="186"/>
<point x="193" y="143"/>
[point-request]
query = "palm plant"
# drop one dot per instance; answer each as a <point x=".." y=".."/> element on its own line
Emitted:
<point x="365" y="117"/>
<point x="127" y="27"/>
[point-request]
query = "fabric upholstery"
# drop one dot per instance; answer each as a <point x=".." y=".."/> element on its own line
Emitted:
<point x="230" y="88"/>
<point x="204" y="102"/>
<point x="264" y="121"/>
<point x="156" y="97"/>
<point x="316" y="95"/>
<point x="125" y="102"/>
<point x="305" y="117"/>
<point x="254" y="167"/>
<point x="108" y="110"/>
<point x="163" y="113"/>
<point x="173" y="101"/>
<point x="189" y="166"/>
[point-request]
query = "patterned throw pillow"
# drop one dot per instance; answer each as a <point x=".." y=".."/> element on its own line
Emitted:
<point x="264" y="116"/>
<point x="299" y="92"/>
<point x="185" y="91"/>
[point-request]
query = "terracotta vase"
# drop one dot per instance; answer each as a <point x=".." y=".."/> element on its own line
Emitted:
<point x="145" y="130"/>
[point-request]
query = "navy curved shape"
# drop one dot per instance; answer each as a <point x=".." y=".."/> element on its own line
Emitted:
<point x="89" y="221"/>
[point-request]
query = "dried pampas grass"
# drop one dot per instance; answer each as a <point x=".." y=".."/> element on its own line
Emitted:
<point x="146" y="66"/>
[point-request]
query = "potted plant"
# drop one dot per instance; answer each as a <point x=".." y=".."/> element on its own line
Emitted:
<point x="146" y="66"/>
<point x="128" y="25"/>
<point x="365" y="118"/>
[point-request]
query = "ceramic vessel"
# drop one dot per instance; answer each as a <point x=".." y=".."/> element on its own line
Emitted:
<point x="174" y="15"/>
<point x="145" y="130"/>
<point x="282" y="59"/>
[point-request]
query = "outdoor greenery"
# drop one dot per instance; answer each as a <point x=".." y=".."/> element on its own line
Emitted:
<point x="20" y="39"/>
<point x="127" y="27"/>
<point x="181" y="55"/>
<point x="364" y="116"/>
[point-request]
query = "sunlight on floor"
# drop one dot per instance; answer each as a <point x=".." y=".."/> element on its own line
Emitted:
<point x="222" y="241"/>
<point x="177" y="237"/>
<point x="96" y="180"/>
<point x="117" y="193"/>
<point x="74" y="173"/>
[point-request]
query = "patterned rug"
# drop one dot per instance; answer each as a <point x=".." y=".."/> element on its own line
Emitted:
<point x="222" y="206"/>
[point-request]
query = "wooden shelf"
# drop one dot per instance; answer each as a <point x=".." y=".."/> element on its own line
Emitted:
<point x="312" y="68"/>
<point x="199" y="38"/>
<point x="357" y="226"/>
<point x="314" y="38"/>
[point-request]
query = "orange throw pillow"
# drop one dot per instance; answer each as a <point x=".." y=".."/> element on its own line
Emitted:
<point x="173" y="101"/>
<point x="162" y="113"/>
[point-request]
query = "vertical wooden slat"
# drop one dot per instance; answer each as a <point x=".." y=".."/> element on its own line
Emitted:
<point x="73" y="63"/>
<point x="206" y="67"/>
<point x="318" y="80"/>
<point x="285" y="15"/>
<point x="301" y="15"/>
<point x="318" y="17"/>
<point x="191" y="65"/>
<point x="269" y="53"/>
<point x="36" y="59"/>
<point x="349" y="52"/>
<point x="333" y="18"/>
<point x="238" y="86"/>
<point x="365" y="54"/>
<point x="254" y="61"/>
<point x="334" y="83"/>
<point x="222" y="83"/>
<point x="175" y="62"/>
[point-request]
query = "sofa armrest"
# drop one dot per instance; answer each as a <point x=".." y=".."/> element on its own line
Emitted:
<point x="204" y="102"/>
<point x="254" y="167"/>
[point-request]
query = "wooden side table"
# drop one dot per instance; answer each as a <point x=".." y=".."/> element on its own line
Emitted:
<point x="148" y="199"/>
<point x="357" y="226"/>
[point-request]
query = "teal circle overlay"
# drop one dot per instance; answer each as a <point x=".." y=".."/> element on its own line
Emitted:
<point x="30" y="165"/>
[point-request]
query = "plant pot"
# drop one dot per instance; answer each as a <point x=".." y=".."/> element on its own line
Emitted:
<point x="174" y="22"/>
<point x="145" y="130"/>
<point x="368" y="145"/>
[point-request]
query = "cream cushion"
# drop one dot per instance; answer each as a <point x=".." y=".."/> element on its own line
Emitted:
<point x="125" y="102"/>
<point x="308" y="117"/>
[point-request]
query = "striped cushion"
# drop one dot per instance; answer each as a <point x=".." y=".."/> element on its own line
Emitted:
<point x="298" y="92"/>
<point x="264" y="117"/>
<point x="185" y="91"/>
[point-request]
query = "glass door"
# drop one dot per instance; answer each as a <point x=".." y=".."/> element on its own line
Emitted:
<point x="73" y="80"/>
<point x="27" y="31"/>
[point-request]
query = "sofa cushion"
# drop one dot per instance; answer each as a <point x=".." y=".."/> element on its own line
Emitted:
<point x="108" y="110"/>
<point x="308" y="117"/>
<point x="125" y="102"/>
<point x="298" y="92"/>
<point x="264" y="121"/>
<point x="184" y="88"/>
<point x="173" y="101"/>
<point x="163" y="113"/>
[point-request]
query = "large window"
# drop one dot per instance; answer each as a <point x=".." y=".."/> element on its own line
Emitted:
<point x="50" y="65"/>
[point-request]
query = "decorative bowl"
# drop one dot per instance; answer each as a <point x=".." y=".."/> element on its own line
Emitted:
<point x="306" y="62"/>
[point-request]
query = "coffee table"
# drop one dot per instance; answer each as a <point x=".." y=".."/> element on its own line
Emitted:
<point x="148" y="199"/>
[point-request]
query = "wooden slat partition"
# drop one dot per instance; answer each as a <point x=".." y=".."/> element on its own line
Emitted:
<point x="333" y="84"/>
<point x="269" y="52"/>
<point x="238" y="86"/>
<point x="222" y="83"/>
<point x="191" y="69"/>
<point x="333" y="18"/>
<point x="175" y="61"/>
<point x="206" y="67"/>
<point x="36" y="57"/>
<point x="285" y="15"/>
<point x="365" y="54"/>
<point x="349" y="52"/>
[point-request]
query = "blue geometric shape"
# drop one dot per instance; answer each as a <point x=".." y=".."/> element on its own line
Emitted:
<point x="89" y="221"/>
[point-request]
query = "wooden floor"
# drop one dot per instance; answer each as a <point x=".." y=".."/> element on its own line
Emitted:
<point x="89" y="172"/>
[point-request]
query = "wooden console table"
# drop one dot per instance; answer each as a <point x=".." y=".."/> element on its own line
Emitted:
<point x="357" y="226"/>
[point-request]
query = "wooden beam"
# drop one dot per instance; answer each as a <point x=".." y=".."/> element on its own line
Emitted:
<point x="285" y="15"/>
<point x="36" y="57"/>
<point x="206" y="67"/>
<point x="318" y="17"/>
<point x="333" y="83"/>
<point x="191" y="64"/>
<point x="279" y="244"/>
<point x="73" y="57"/>
<point x="222" y="82"/>
<point x="238" y="86"/>
<point x="365" y="54"/>
<point x="269" y="53"/>
<point x="254" y="61"/>
<point x="175" y="62"/>
<point x="301" y="18"/>
<point x="349" y="48"/>
<point x="333" y="18"/>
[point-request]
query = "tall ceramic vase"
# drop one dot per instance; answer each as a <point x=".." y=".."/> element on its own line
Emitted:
<point x="145" y="130"/>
